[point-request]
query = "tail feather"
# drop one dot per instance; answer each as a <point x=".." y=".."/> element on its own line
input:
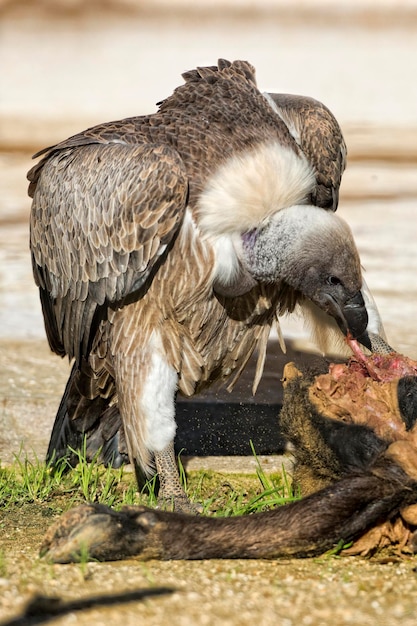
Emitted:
<point x="85" y="423"/>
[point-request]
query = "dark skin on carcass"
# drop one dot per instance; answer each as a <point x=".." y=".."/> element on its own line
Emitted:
<point x="353" y="427"/>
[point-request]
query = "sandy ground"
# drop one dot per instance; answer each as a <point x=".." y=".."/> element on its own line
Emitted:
<point x="315" y="592"/>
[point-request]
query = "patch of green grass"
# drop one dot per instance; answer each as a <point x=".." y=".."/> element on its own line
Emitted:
<point x="241" y="494"/>
<point x="33" y="481"/>
<point x="95" y="482"/>
<point x="83" y="559"/>
<point x="229" y="495"/>
<point x="335" y="552"/>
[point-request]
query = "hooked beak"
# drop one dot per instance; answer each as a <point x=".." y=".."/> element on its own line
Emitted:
<point x="352" y="318"/>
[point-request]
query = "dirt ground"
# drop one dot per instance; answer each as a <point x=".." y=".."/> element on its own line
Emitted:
<point x="306" y="592"/>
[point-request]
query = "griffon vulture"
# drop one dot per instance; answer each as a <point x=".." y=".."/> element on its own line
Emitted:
<point x="166" y="246"/>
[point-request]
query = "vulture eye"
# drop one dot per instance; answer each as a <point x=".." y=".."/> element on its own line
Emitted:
<point x="334" y="280"/>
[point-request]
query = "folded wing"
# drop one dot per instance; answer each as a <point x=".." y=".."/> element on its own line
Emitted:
<point x="102" y="218"/>
<point x="318" y="134"/>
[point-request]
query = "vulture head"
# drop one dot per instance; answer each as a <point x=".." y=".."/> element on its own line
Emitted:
<point x="256" y="210"/>
<point x="312" y="251"/>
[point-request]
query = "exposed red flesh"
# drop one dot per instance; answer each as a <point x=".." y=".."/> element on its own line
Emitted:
<point x="381" y="367"/>
<point x="363" y="391"/>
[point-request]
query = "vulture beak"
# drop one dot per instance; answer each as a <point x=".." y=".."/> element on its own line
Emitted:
<point x="365" y="340"/>
<point x="351" y="317"/>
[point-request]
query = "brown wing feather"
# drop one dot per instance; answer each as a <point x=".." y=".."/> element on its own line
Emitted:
<point x="320" y="138"/>
<point x="102" y="216"/>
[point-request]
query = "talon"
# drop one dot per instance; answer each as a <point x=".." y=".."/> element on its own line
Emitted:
<point x="179" y="504"/>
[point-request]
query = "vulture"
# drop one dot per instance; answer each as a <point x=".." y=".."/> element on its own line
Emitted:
<point x="166" y="246"/>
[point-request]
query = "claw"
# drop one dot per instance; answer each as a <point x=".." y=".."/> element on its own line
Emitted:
<point x="180" y="504"/>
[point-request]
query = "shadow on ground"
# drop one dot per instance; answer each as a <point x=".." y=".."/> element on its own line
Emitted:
<point x="43" y="609"/>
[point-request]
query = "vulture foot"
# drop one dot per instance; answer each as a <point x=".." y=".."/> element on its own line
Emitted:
<point x="179" y="503"/>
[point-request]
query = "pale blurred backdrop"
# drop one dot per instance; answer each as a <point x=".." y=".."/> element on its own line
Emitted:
<point x="68" y="64"/>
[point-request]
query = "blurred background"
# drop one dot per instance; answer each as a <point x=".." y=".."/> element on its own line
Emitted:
<point x="69" y="64"/>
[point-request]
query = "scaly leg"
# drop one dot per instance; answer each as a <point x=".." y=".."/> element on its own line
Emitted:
<point x="171" y="492"/>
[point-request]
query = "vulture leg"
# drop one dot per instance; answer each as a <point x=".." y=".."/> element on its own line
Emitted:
<point x="171" y="494"/>
<point x="146" y="385"/>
